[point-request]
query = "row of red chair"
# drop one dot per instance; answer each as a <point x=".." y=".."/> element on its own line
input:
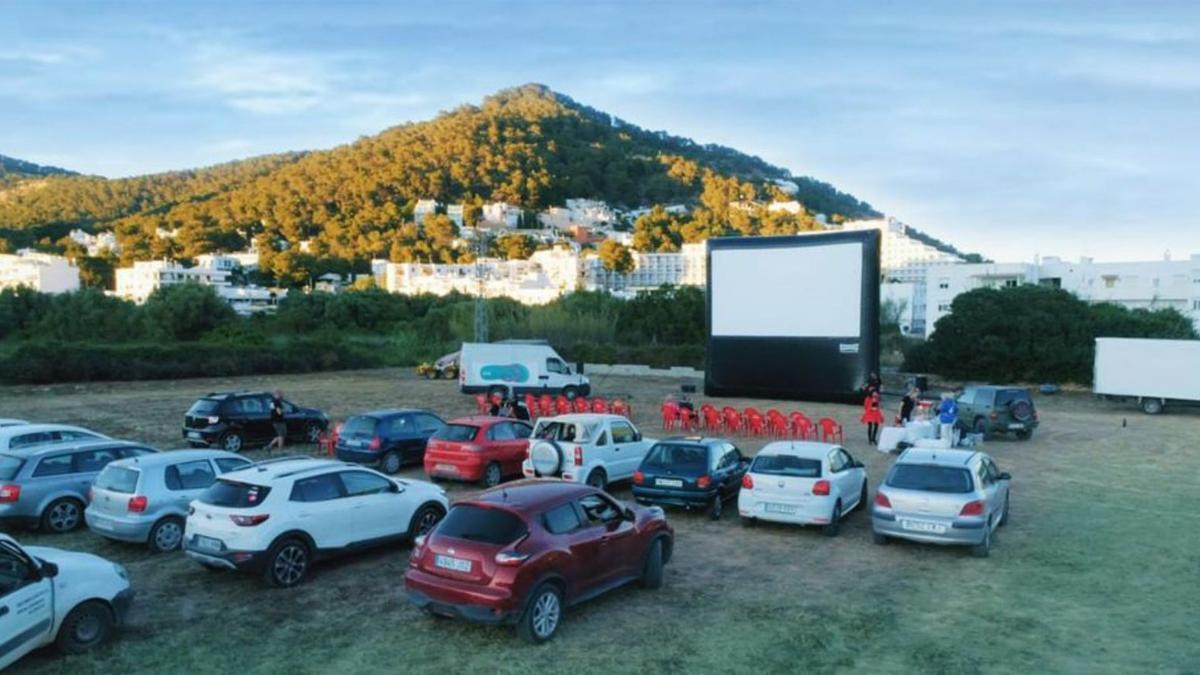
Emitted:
<point x="547" y="405"/>
<point x="750" y="421"/>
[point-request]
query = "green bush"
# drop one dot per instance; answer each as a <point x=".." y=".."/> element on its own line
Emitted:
<point x="186" y="311"/>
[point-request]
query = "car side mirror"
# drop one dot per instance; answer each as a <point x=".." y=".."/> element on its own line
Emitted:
<point x="629" y="514"/>
<point x="49" y="570"/>
<point x="1004" y="476"/>
<point x="637" y="436"/>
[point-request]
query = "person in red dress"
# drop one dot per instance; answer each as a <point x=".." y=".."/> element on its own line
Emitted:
<point x="872" y="417"/>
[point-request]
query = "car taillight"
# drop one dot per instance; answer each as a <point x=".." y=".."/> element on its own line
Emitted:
<point x="138" y="504"/>
<point x="821" y="488"/>
<point x="375" y="444"/>
<point x="9" y="493"/>
<point x="882" y="500"/>
<point x="974" y="508"/>
<point x="578" y="456"/>
<point x="703" y="481"/>
<point x="747" y="482"/>
<point x="418" y="549"/>
<point x="639" y="477"/>
<point x="213" y="419"/>
<point x="511" y="558"/>
<point x="249" y="521"/>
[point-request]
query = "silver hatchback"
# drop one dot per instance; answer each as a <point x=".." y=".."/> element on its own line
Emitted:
<point x="942" y="497"/>
<point x="145" y="499"/>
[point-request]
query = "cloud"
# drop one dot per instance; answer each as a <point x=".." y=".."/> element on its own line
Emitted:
<point x="47" y="56"/>
<point x="261" y="82"/>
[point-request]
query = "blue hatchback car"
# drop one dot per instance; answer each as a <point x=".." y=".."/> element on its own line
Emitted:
<point x="388" y="439"/>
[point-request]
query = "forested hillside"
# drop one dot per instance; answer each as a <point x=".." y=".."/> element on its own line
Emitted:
<point x="529" y="146"/>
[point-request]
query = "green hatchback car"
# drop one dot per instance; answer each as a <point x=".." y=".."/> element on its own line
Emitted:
<point x="989" y="409"/>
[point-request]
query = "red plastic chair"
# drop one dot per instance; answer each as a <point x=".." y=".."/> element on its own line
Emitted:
<point x="546" y="405"/>
<point x="732" y="419"/>
<point x="756" y="424"/>
<point x="599" y="405"/>
<point x="688" y="419"/>
<point x="711" y="418"/>
<point x="802" y="426"/>
<point x="620" y="407"/>
<point x="582" y="405"/>
<point x="531" y="405"/>
<point x="482" y="405"/>
<point x="670" y="415"/>
<point x="830" y="429"/>
<point x="562" y="405"/>
<point x="777" y="424"/>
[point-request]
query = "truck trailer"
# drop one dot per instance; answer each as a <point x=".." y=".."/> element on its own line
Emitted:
<point x="1156" y="373"/>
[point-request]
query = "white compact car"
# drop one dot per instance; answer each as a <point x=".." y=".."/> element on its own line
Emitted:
<point x="48" y="595"/>
<point x="587" y="448"/>
<point x="280" y="516"/>
<point x="803" y="484"/>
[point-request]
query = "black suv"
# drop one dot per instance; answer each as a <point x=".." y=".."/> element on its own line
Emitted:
<point x="694" y="473"/>
<point x="988" y="409"/>
<point x="233" y="421"/>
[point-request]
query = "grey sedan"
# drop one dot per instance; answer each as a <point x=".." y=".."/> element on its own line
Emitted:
<point x="942" y="497"/>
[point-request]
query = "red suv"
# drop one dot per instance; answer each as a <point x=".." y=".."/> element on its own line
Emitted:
<point x="521" y="552"/>
<point x="484" y="449"/>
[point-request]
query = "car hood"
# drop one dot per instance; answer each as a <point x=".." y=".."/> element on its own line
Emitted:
<point x="71" y="561"/>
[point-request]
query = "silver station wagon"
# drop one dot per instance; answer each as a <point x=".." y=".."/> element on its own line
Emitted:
<point x="942" y="496"/>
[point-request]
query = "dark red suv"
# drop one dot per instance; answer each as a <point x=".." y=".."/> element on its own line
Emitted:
<point x="521" y="552"/>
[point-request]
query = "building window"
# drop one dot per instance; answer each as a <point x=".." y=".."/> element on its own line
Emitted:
<point x="943" y="308"/>
<point x="1010" y="283"/>
<point x="1196" y="305"/>
<point x="943" y="283"/>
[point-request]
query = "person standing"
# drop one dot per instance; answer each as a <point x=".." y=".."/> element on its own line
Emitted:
<point x="517" y="411"/>
<point x="872" y="417"/>
<point x="947" y="416"/>
<point x="907" y="404"/>
<point x="873" y="386"/>
<point x="278" y="421"/>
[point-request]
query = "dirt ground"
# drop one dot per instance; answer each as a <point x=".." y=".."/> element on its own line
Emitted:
<point x="1098" y="570"/>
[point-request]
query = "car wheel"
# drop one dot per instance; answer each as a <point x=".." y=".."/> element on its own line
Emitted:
<point x="424" y="520"/>
<point x="542" y="615"/>
<point x="983" y="548"/>
<point x="1025" y="435"/>
<point x="166" y="535"/>
<point x="717" y="508"/>
<point x="1004" y="513"/>
<point x="492" y="475"/>
<point x="835" y="521"/>
<point x="597" y="479"/>
<point x="652" y="570"/>
<point x="312" y="432"/>
<point x="86" y="626"/>
<point x="571" y="393"/>
<point x="288" y="563"/>
<point x="1151" y="406"/>
<point x="879" y="539"/>
<point x="232" y="442"/>
<point x="390" y="462"/>
<point x="62" y="516"/>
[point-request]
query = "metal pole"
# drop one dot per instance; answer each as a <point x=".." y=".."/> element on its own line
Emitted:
<point x="481" y="313"/>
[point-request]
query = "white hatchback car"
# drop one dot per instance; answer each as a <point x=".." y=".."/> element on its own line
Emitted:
<point x="802" y="483"/>
<point x="280" y="516"/>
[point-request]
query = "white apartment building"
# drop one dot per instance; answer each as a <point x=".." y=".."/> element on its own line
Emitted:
<point x="688" y="267"/>
<point x="219" y="261"/>
<point x="138" y="282"/>
<point x="96" y="244"/>
<point x="526" y="281"/>
<point x="1147" y="285"/>
<point x="455" y="213"/>
<point x="589" y="213"/>
<point x="501" y="215"/>
<point x="423" y="209"/>
<point x="793" y="207"/>
<point x="41" y="272"/>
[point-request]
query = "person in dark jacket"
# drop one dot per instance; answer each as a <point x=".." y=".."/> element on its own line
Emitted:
<point x="907" y="404"/>
<point x="517" y="411"/>
<point x="278" y="422"/>
<point x="873" y="386"/>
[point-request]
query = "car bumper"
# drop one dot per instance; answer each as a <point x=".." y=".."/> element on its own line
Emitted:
<point x="121" y="604"/>
<point x="118" y="528"/>
<point x="954" y="531"/>
<point x="246" y="561"/>
<point x="688" y="499"/>
<point x="201" y="436"/>
<point x="454" y="468"/>
<point x="483" y="604"/>
<point x="357" y="456"/>
<point x="778" y="509"/>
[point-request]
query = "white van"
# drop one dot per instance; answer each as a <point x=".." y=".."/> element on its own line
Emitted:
<point x="517" y="368"/>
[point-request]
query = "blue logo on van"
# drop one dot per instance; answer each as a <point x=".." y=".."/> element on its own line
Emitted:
<point x="514" y="372"/>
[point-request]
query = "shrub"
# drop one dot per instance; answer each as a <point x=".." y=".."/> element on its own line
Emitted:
<point x="186" y="311"/>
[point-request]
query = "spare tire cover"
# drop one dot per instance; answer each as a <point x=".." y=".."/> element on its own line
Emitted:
<point x="546" y="457"/>
<point x="1021" y="410"/>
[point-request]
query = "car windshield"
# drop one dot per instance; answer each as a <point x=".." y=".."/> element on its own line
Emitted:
<point x="476" y="523"/>
<point x="689" y="460"/>
<point x="233" y="495"/>
<point x="457" y="432"/>
<point x="9" y="466"/>
<point x="928" y="478"/>
<point x="118" y="479"/>
<point x="1006" y="396"/>
<point x="786" y="465"/>
<point x="359" y="426"/>
<point x="203" y="408"/>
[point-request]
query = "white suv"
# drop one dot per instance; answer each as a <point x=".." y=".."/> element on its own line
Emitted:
<point x="280" y="516"/>
<point x="585" y="448"/>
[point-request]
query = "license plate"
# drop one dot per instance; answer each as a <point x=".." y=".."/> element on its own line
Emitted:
<point x="779" y="508"/>
<point x="668" y="482"/>
<point x="101" y="524"/>
<point x="194" y="434"/>
<point x="922" y="526"/>
<point x="446" y="467"/>
<point x="449" y="563"/>
<point x="1016" y="426"/>
<point x="207" y="543"/>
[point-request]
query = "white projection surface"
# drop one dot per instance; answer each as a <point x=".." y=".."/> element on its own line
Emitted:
<point x="797" y="291"/>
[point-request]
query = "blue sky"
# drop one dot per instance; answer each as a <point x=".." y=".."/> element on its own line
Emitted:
<point x="1059" y="128"/>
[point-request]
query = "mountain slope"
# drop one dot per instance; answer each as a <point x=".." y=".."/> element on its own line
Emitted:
<point x="13" y="170"/>
<point x="528" y="145"/>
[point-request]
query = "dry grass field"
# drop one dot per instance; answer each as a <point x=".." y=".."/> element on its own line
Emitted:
<point x="1098" y="571"/>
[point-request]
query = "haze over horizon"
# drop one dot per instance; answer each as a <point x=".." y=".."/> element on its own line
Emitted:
<point x="1032" y="128"/>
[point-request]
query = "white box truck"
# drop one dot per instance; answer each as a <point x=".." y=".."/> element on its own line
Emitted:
<point x="1156" y="373"/>
<point x="517" y="368"/>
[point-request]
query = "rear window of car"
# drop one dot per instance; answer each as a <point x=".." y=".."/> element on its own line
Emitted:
<point x="9" y="466"/>
<point x="927" y="478"/>
<point x="786" y="465"/>
<point x="204" y="407"/>
<point x="1006" y="396"/>
<point x="457" y="432"/>
<point x="686" y="459"/>
<point x="235" y="495"/>
<point x="359" y="426"/>
<point x="118" y="479"/>
<point x="488" y="526"/>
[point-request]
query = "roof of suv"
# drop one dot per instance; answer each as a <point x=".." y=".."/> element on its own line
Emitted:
<point x="586" y="417"/>
<point x="939" y="456"/>
<point x="533" y="494"/>
<point x="73" y="445"/>
<point x="283" y="467"/>
<point x="171" y="457"/>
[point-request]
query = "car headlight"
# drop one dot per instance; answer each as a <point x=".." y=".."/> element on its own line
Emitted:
<point x="120" y="571"/>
